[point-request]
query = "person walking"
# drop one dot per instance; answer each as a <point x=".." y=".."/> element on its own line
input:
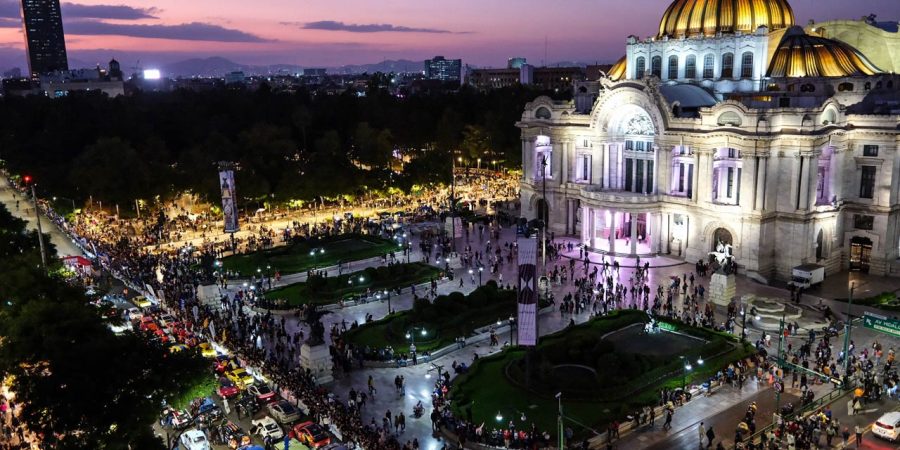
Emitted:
<point x="701" y="431"/>
<point x="859" y="435"/>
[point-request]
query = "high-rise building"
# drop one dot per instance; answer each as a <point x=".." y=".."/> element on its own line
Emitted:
<point x="439" y="68"/>
<point x="44" y="38"/>
<point x="516" y="62"/>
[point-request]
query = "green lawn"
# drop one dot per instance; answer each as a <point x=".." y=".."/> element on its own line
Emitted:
<point x="294" y="258"/>
<point x="490" y="391"/>
<point x="449" y="317"/>
<point x="322" y="291"/>
<point x="886" y="300"/>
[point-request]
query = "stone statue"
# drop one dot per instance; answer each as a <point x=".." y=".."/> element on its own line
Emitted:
<point x="723" y="255"/>
<point x="316" y="329"/>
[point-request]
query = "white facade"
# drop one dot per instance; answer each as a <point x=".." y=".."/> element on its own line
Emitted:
<point x="811" y="177"/>
<point x="725" y="63"/>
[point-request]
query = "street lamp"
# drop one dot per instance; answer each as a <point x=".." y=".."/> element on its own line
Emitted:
<point x="512" y="323"/>
<point x="480" y="270"/>
<point x="687" y="368"/>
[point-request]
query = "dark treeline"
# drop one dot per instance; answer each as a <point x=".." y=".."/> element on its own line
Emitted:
<point x="287" y="146"/>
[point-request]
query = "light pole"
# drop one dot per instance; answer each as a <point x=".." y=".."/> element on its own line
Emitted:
<point x="545" y="213"/>
<point x="559" y="422"/>
<point x="411" y="335"/>
<point x="37" y="216"/>
<point x="314" y="253"/>
<point x="512" y="323"/>
<point x="847" y="334"/>
<point x="687" y="368"/>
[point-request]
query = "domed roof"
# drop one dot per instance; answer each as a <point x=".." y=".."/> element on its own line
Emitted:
<point x="617" y="71"/>
<point x="708" y="17"/>
<point x="802" y="55"/>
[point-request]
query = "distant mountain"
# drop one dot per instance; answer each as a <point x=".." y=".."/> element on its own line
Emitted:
<point x="387" y="66"/>
<point x="214" y="66"/>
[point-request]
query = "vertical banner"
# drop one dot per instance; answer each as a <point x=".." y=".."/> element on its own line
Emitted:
<point x="229" y="199"/>
<point x="528" y="298"/>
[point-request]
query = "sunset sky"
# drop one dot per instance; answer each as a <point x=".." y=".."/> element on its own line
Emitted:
<point x="336" y="32"/>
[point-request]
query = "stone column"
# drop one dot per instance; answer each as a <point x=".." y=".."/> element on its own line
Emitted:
<point x="606" y="169"/>
<point x="524" y="157"/>
<point x="760" y="191"/>
<point x="633" y="233"/>
<point x="612" y="231"/>
<point x="564" y="162"/>
<point x="812" y="174"/>
<point x="655" y="225"/>
<point x="529" y="170"/>
<point x="804" y="183"/>
<point x="696" y="180"/>
<point x="587" y="226"/>
<point x="748" y="170"/>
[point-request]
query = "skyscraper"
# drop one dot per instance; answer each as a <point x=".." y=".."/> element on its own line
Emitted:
<point x="440" y="68"/>
<point x="44" y="38"/>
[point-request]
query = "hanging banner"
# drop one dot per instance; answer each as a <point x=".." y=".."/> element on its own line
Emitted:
<point x="229" y="199"/>
<point x="528" y="299"/>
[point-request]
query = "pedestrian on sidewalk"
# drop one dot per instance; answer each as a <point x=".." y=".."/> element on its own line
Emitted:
<point x="701" y="431"/>
<point x="846" y="435"/>
<point x="859" y="435"/>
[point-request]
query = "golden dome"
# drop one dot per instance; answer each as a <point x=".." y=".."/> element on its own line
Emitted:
<point x="708" y="17"/>
<point x="802" y="55"/>
<point x="617" y="71"/>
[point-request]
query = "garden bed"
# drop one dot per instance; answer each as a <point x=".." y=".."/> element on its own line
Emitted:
<point x="295" y="257"/>
<point x="611" y="383"/>
<point x="320" y="290"/>
<point x="446" y="319"/>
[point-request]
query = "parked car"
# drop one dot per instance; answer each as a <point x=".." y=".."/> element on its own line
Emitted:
<point x="134" y="314"/>
<point x="207" y="350"/>
<point x="234" y="435"/>
<point x="178" y="418"/>
<point x="266" y="427"/>
<point x="284" y="412"/>
<point x="208" y="411"/>
<point x="262" y="393"/>
<point x="141" y="302"/>
<point x="887" y="426"/>
<point x="194" y="439"/>
<point x="227" y="389"/>
<point x="240" y="377"/>
<point x="311" y="434"/>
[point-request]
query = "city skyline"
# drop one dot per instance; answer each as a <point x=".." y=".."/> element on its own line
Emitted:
<point x="317" y="33"/>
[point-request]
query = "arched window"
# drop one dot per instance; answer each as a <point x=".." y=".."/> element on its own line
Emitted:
<point x="845" y="87"/>
<point x="747" y="65"/>
<point x="690" y="67"/>
<point x="656" y="66"/>
<point x="673" y="67"/>
<point x="728" y="65"/>
<point x="542" y="113"/>
<point x="640" y="67"/>
<point x="709" y="66"/>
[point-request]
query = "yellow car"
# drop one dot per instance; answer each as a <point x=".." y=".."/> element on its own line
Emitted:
<point x="240" y="377"/>
<point x="141" y="302"/>
<point x="207" y="350"/>
<point x="178" y="348"/>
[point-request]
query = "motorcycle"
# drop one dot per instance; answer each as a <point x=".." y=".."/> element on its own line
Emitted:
<point x="418" y="410"/>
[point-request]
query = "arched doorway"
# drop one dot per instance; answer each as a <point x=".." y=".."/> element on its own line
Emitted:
<point x="820" y="241"/>
<point x="860" y="252"/>
<point x="721" y="235"/>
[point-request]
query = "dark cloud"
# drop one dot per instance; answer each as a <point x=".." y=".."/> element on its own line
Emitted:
<point x="194" y="31"/>
<point x="331" y="25"/>
<point x="115" y="12"/>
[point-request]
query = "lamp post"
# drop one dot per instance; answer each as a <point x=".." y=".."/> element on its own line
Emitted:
<point x="849" y="329"/>
<point x="315" y="256"/>
<point x="545" y="213"/>
<point x="411" y="335"/>
<point x="388" y="294"/>
<point x="37" y="216"/>
<point x="512" y="323"/>
<point x="480" y="271"/>
<point x="743" y="324"/>
<point x="686" y="365"/>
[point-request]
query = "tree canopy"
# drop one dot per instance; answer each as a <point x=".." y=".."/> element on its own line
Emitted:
<point x="78" y="384"/>
<point x="285" y="145"/>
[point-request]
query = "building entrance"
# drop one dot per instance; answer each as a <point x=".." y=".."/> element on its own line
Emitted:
<point x="860" y="252"/>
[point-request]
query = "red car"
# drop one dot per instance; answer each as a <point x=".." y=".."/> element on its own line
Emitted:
<point x="227" y="389"/>
<point x="311" y="434"/>
<point x="262" y="393"/>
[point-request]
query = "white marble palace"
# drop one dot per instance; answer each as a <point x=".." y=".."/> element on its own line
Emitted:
<point x="731" y="124"/>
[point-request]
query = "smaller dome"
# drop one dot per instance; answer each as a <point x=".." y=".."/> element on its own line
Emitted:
<point x="617" y="71"/>
<point x="707" y="17"/>
<point x="802" y="55"/>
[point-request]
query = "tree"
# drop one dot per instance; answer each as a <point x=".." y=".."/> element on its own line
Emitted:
<point x="79" y="385"/>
